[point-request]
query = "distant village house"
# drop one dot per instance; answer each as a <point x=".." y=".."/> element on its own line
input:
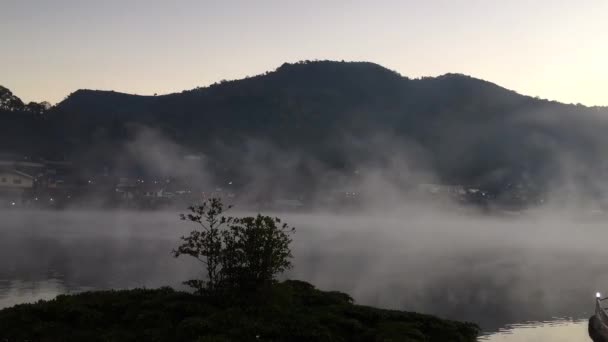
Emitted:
<point x="15" y="180"/>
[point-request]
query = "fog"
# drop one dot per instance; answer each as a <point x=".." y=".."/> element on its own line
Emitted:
<point x="486" y="269"/>
<point x="397" y="248"/>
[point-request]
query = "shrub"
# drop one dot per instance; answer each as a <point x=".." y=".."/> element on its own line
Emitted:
<point x="237" y="253"/>
<point x="256" y="250"/>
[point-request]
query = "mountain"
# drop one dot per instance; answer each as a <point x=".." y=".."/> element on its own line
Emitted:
<point x="336" y="117"/>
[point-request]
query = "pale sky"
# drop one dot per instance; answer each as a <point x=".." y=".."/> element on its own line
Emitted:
<point x="554" y="49"/>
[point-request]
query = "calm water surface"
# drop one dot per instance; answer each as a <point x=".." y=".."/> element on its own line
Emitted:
<point x="501" y="273"/>
<point x="558" y="330"/>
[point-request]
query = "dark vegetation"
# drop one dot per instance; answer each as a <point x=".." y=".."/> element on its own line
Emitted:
<point x="238" y="254"/>
<point x="290" y="311"/>
<point x="19" y="123"/>
<point x="331" y="115"/>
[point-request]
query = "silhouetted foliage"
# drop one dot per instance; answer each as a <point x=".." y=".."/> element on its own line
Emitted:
<point x="291" y="311"/>
<point x="256" y="250"/>
<point x="237" y="253"/>
<point x="24" y="128"/>
<point x="207" y="244"/>
<point x="37" y="108"/>
<point x="8" y="101"/>
<point x="11" y="103"/>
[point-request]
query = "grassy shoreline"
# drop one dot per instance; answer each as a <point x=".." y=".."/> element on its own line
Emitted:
<point x="289" y="311"/>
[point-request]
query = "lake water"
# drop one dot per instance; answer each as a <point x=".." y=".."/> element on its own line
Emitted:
<point x="513" y="276"/>
<point x="559" y="330"/>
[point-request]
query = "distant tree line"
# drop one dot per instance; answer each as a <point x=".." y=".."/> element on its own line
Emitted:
<point x="11" y="103"/>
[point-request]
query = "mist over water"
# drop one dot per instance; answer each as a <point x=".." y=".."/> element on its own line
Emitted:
<point x="490" y="270"/>
<point x="446" y="195"/>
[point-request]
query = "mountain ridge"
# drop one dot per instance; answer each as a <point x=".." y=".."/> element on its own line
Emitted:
<point x="286" y="69"/>
<point x="337" y="116"/>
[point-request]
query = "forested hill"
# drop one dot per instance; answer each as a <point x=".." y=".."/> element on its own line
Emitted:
<point x="341" y="115"/>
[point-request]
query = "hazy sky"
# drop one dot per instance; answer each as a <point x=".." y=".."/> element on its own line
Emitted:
<point x="549" y="48"/>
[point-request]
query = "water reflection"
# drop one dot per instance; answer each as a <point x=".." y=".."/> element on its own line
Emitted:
<point x="560" y="330"/>
<point x="14" y="292"/>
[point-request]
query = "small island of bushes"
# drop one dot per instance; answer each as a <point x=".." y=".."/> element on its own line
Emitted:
<point x="239" y="300"/>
